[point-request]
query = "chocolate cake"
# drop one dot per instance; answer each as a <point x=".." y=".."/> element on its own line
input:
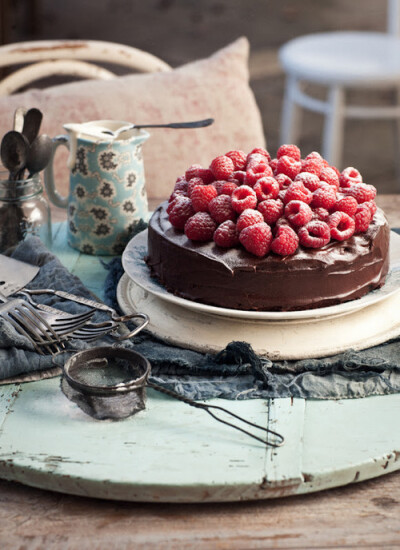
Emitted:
<point x="260" y="234"/>
<point x="234" y="278"/>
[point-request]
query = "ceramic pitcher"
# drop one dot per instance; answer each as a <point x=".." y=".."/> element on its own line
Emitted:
<point x="107" y="195"/>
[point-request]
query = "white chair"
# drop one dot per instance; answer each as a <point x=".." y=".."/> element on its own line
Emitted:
<point x="64" y="57"/>
<point x="340" y="61"/>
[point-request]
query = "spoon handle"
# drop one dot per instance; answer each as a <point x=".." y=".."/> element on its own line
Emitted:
<point x="195" y="124"/>
<point x="32" y="121"/>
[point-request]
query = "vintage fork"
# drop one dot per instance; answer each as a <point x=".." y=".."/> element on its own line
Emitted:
<point x="61" y="323"/>
<point x="91" y="331"/>
<point x="29" y="322"/>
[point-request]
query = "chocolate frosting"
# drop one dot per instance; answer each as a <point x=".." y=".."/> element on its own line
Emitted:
<point x="234" y="278"/>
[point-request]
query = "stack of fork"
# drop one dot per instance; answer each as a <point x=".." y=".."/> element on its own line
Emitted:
<point x="48" y="329"/>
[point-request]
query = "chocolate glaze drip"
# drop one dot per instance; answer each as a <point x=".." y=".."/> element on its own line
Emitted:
<point x="233" y="278"/>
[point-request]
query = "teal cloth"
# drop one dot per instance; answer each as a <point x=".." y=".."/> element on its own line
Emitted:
<point x="235" y="373"/>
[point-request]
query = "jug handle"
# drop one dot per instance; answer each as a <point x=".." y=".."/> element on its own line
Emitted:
<point x="54" y="196"/>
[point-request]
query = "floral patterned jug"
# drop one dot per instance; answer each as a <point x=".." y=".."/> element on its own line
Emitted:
<point x="107" y="196"/>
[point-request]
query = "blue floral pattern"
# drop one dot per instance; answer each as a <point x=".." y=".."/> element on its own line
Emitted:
<point x="107" y="194"/>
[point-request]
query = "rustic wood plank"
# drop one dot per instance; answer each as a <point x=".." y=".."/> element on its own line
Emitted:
<point x="365" y="515"/>
<point x="8" y="395"/>
<point x="169" y="452"/>
<point x="284" y="464"/>
<point x="358" y="440"/>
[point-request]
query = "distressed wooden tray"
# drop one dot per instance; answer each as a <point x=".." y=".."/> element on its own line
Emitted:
<point x="173" y="453"/>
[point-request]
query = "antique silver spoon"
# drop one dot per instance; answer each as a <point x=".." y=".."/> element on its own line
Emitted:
<point x="14" y="150"/>
<point x="39" y="154"/>
<point x="175" y="125"/>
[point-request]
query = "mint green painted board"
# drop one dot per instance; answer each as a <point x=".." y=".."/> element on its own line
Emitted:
<point x="171" y="452"/>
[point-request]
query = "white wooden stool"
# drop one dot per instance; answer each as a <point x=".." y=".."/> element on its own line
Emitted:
<point x="340" y="61"/>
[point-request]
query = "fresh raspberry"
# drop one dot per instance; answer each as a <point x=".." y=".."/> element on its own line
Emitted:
<point x="362" y="192"/>
<point x="313" y="165"/>
<point x="362" y="218"/>
<point x="273" y="163"/>
<point x="220" y="209"/>
<point x="225" y="187"/>
<point x="314" y="155"/>
<point x="255" y="159"/>
<point x="289" y="150"/>
<point x="177" y="193"/>
<point x="285" y="242"/>
<point x="271" y="210"/>
<point x="324" y="196"/>
<point x="266" y="188"/>
<point x="298" y="213"/>
<point x="181" y="185"/>
<point x="192" y="171"/>
<point x="346" y="204"/>
<point x="309" y="180"/>
<point x="315" y="234"/>
<point x="238" y="158"/>
<point x="341" y="225"/>
<point x="321" y="214"/>
<point x="201" y="196"/>
<point x="243" y="197"/>
<point x="256" y="239"/>
<point x="196" y="171"/>
<point x="200" y="227"/>
<point x="222" y="167"/>
<point x="248" y="217"/>
<point x="206" y="175"/>
<point x="283" y="180"/>
<point x="255" y="173"/>
<point x="350" y="176"/>
<point x="329" y="176"/>
<point x="297" y="192"/>
<point x="282" y="194"/>
<point x="232" y="180"/>
<point x="226" y="234"/>
<point x="193" y="183"/>
<point x="261" y="151"/>
<point x="289" y="166"/>
<point x="372" y="206"/>
<point x="172" y="203"/>
<point x="180" y="211"/>
<point x="238" y="175"/>
<point x="281" y="222"/>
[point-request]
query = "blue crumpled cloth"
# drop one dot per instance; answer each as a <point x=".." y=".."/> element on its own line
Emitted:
<point x="235" y="373"/>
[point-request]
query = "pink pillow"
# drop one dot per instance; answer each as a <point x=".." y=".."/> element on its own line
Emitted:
<point x="214" y="87"/>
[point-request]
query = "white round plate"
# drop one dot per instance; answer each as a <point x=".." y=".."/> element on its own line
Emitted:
<point x="137" y="270"/>
<point x="294" y="339"/>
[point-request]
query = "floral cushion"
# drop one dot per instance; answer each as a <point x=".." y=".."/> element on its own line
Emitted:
<point x="214" y="87"/>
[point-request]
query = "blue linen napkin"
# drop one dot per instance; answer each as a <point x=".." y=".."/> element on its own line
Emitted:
<point x="234" y="373"/>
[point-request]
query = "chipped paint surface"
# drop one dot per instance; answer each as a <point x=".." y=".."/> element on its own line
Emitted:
<point x="51" y="48"/>
<point x="174" y="453"/>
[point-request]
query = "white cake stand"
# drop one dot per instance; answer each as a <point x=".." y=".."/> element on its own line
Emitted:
<point x="291" y="335"/>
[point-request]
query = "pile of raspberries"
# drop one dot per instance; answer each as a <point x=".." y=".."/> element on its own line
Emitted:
<point x="271" y="205"/>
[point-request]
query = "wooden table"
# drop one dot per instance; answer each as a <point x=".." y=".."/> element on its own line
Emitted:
<point x="358" y="516"/>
